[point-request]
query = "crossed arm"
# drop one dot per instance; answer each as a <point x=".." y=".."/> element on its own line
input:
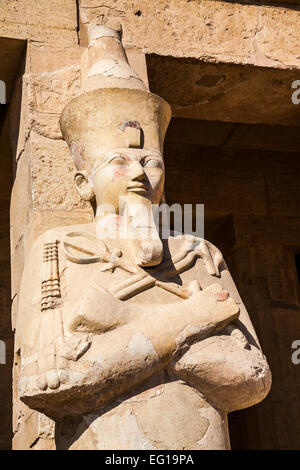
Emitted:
<point x="109" y="346"/>
<point x="130" y="343"/>
<point x="230" y="372"/>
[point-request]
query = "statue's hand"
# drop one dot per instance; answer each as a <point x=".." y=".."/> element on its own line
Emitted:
<point x="99" y="311"/>
<point x="211" y="256"/>
<point x="207" y="311"/>
<point x="51" y="365"/>
<point x="176" y="325"/>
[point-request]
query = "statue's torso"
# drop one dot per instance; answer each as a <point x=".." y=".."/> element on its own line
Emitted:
<point x="162" y="412"/>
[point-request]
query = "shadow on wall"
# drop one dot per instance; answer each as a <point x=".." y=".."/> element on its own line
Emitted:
<point x="245" y="175"/>
<point x="2" y="92"/>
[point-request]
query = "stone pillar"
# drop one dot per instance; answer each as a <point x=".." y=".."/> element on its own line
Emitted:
<point x="42" y="194"/>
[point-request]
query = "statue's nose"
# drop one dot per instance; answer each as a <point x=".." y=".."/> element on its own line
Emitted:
<point x="138" y="173"/>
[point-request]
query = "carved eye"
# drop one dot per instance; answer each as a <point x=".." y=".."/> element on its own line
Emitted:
<point x="117" y="160"/>
<point x="152" y="163"/>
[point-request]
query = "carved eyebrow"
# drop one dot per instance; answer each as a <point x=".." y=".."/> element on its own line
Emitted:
<point x="108" y="158"/>
<point x="153" y="155"/>
<point x="104" y="162"/>
<point x="111" y="158"/>
<point x="157" y="158"/>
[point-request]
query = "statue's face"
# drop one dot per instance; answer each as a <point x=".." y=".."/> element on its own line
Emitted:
<point x="128" y="171"/>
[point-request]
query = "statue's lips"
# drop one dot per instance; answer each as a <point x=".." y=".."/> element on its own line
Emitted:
<point x="137" y="187"/>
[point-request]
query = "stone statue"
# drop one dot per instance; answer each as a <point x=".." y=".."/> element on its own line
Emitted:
<point x="128" y="341"/>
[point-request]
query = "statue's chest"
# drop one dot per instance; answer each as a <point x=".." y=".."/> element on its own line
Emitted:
<point x="162" y="284"/>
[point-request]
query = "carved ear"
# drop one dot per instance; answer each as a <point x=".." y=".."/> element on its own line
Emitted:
<point x="83" y="186"/>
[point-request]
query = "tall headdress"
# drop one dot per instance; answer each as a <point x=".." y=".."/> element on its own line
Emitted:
<point x="115" y="109"/>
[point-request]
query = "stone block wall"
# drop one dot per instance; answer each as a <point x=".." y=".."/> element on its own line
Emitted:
<point x="252" y="200"/>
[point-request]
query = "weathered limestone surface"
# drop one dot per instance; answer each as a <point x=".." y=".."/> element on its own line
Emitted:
<point x="43" y="21"/>
<point x="209" y="30"/>
<point x="225" y="92"/>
